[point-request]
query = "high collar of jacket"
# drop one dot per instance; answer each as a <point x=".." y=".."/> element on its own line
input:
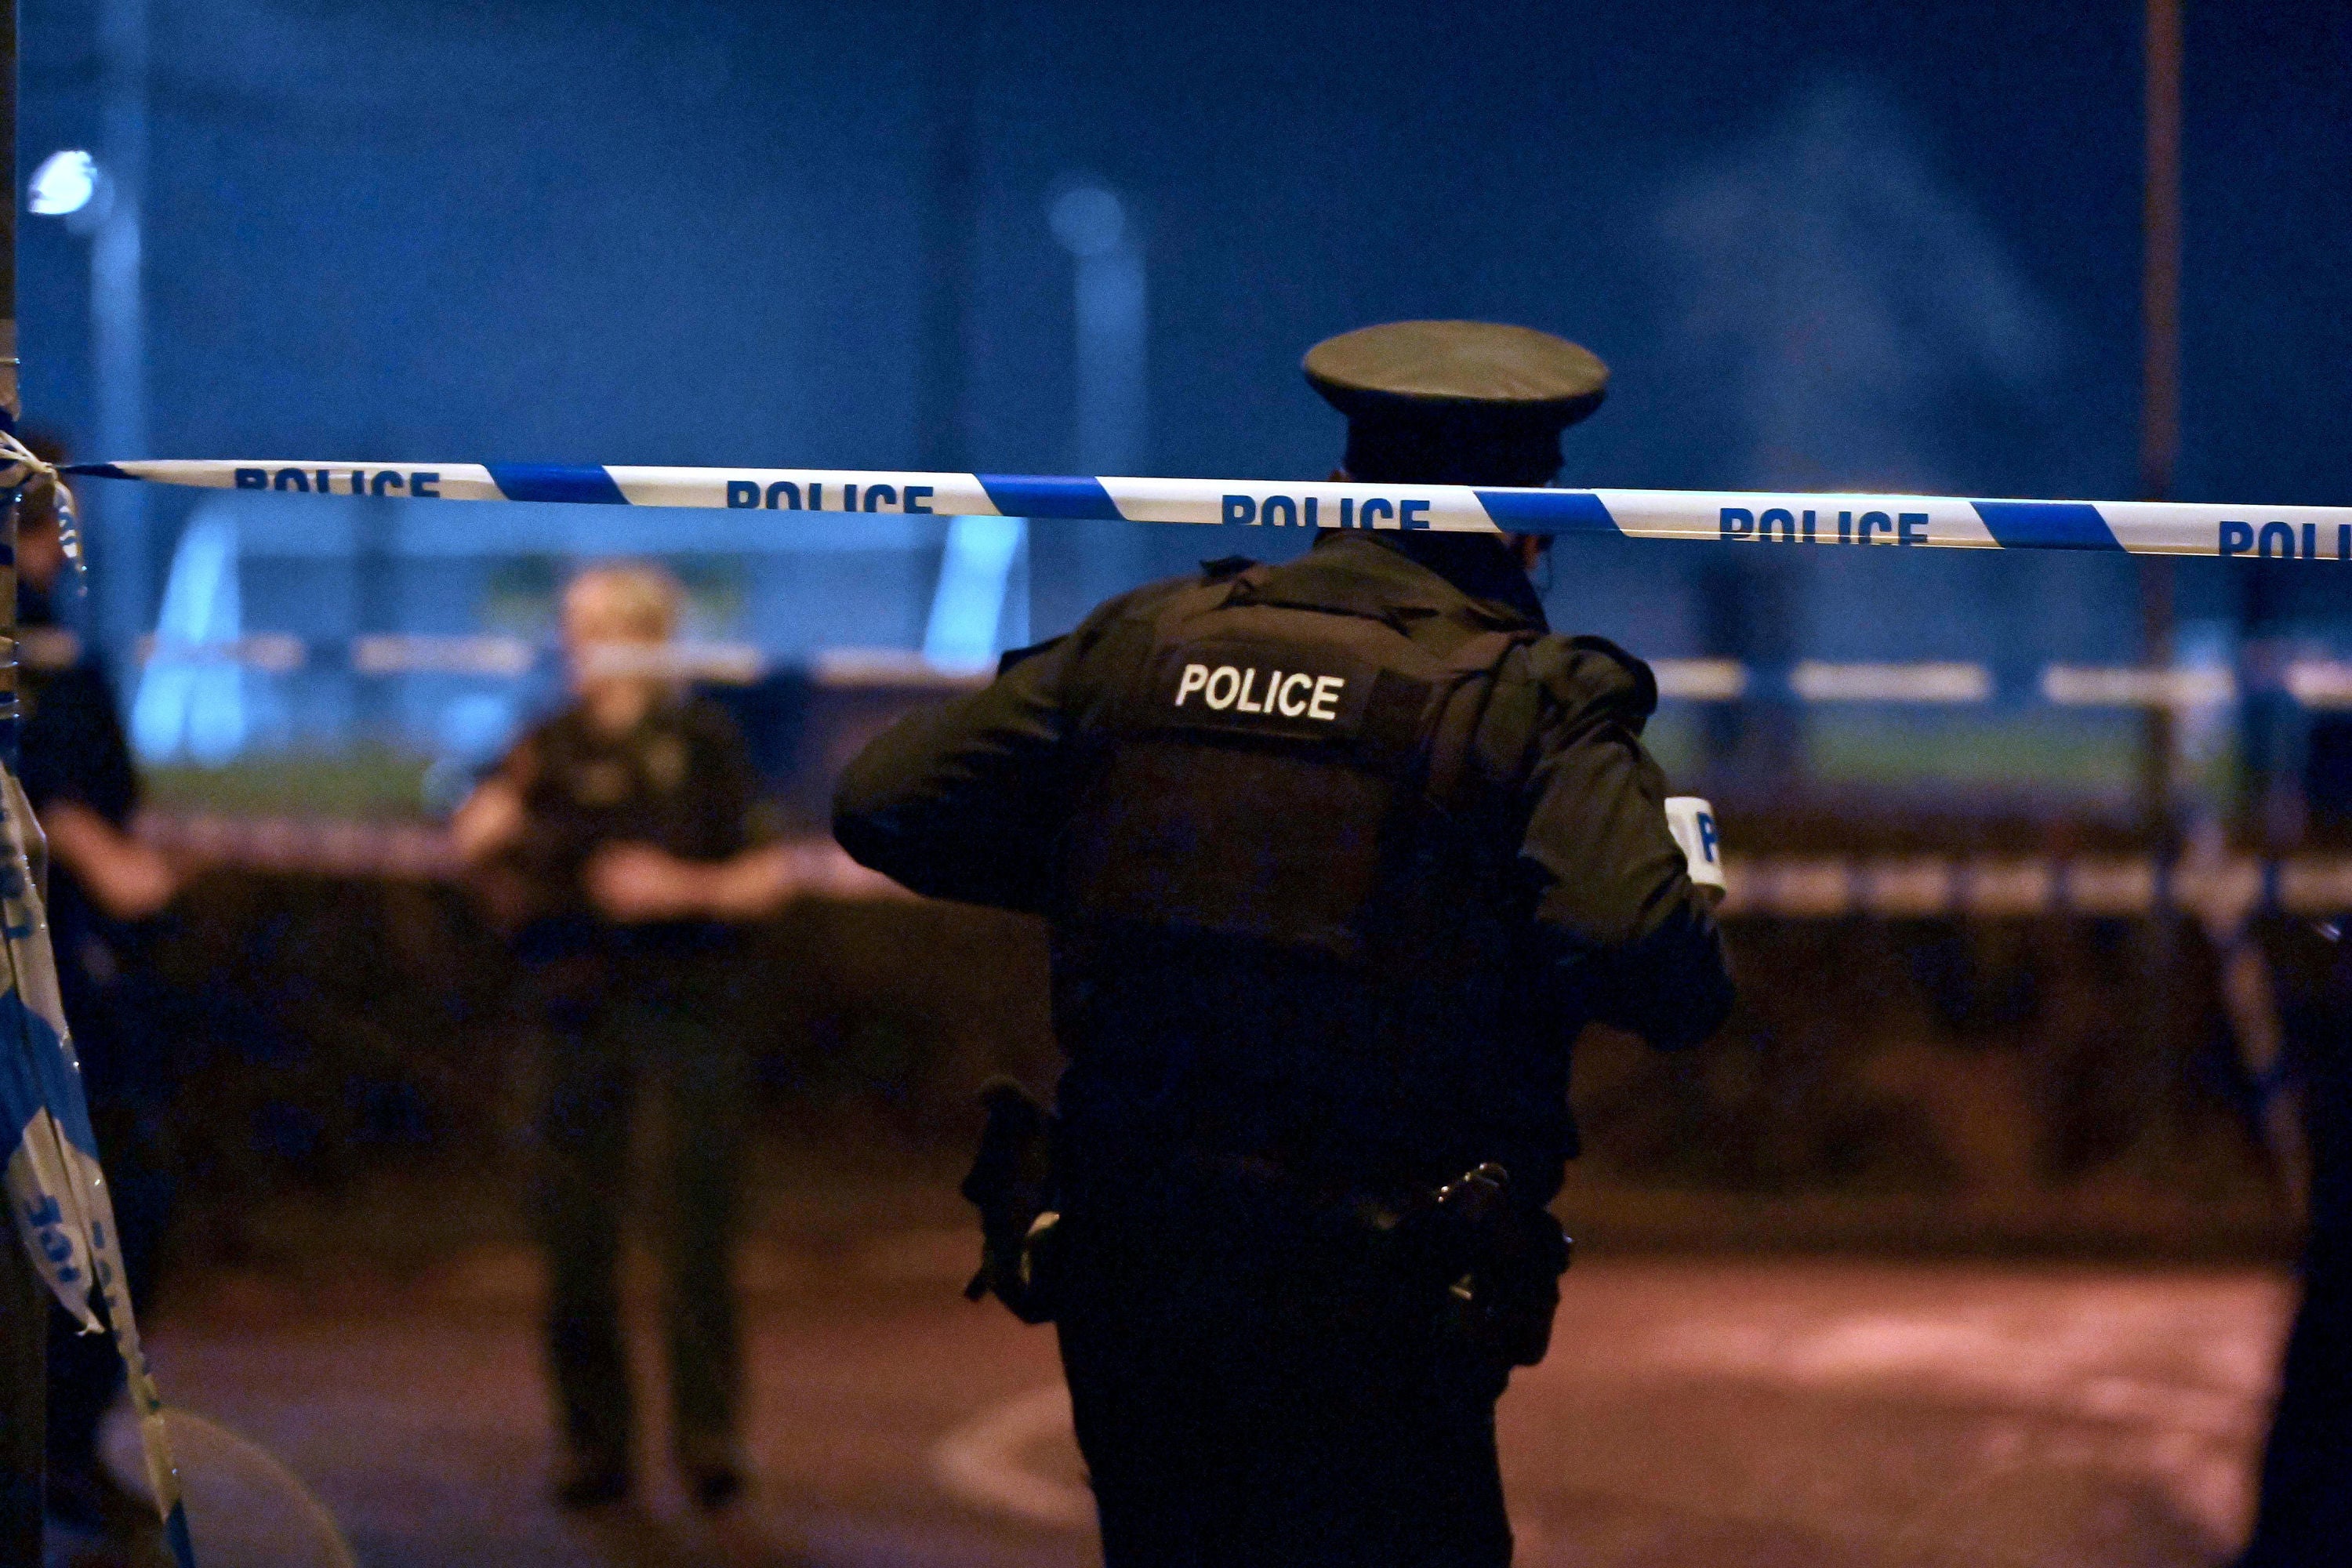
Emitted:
<point x="1471" y="575"/>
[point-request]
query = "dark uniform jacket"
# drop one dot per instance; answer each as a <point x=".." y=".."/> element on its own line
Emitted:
<point x="680" y="779"/>
<point x="1549" y="895"/>
<point x="73" y="748"/>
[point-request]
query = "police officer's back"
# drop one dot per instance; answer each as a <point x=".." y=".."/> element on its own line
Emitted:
<point x="1340" y="856"/>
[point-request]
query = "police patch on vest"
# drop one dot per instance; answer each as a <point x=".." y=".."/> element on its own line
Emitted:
<point x="1262" y="689"/>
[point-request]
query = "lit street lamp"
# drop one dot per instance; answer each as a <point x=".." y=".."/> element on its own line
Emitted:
<point x="1111" y="411"/>
<point x="75" y="186"/>
<point x="1092" y="225"/>
<point x="69" y="184"/>
<point x="97" y="195"/>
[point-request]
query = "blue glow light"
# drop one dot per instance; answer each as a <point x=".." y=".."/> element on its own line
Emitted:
<point x="972" y="613"/>
<point x="191" y="700"/>
<point x="1089" y="221"/>
<point x="65" y="182"/>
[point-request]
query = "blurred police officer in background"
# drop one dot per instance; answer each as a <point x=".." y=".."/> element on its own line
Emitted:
<point x="106" y="889"/>
<point x="630" y="987"/>
<point x="1340" y="856"/>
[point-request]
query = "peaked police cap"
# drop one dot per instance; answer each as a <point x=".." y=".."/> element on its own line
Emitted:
<point x="1474" y="403"/>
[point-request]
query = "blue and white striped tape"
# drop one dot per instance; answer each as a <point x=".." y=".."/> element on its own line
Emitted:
<point x="2144" y="527"/>
<point x="56" y="1194"/>
<point x="50" y="1171"/>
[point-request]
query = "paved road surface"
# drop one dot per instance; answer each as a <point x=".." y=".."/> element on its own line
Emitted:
<point x="1816" y="1413"/>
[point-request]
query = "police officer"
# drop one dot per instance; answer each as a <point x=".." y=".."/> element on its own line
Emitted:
<point x="1340" y="856"/>
<point x="106" y="889"/>
<point x="631" y="987"/>
<point x="2304" y="1513"/>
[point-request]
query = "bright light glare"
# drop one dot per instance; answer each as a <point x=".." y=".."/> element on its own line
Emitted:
<point x="65" y="182"/>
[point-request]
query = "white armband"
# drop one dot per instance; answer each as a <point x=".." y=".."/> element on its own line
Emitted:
<point x="1692" y="822"/>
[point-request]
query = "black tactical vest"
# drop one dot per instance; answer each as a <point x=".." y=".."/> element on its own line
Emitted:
<point x="1272" y="772"/>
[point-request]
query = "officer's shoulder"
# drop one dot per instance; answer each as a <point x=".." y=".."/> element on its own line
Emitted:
<point x="1591" y="678"/>
<point x="1119" y="631"/>
<point x="537" y="733"/>
<point x="545" y="740"/>
<point x="1144" y="603"/>
<point x="705" y="714"/>
<point x="710" y="728"/>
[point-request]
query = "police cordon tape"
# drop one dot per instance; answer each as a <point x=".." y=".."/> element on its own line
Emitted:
<point x="56" y="1194"/>
<point x="2318" y="684"/>
<point x="2143" y="528"/>
<point x="2222" y="889"/>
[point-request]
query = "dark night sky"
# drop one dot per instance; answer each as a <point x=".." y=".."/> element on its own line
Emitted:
<point x="1818" y="241"/>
